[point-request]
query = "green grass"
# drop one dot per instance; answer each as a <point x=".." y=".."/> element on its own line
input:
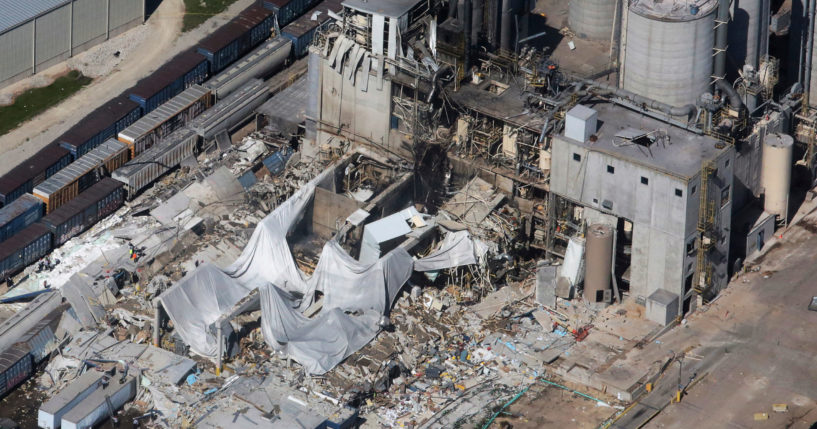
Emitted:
<point x="198" y="11"/>
<point x="35" y="101"/>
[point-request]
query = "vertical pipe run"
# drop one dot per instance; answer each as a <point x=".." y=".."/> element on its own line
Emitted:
<point x="800" y="69"/>
<point x="721" y="39"/>
<point x="476" y="22"/>
<point x="809" y="47"/>
<point x="466" y="23"/>
<point x="507" y="22"/>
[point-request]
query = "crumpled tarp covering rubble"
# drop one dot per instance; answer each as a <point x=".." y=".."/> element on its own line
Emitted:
<point x="456" y="249"/>
<point x="267" y="264"/>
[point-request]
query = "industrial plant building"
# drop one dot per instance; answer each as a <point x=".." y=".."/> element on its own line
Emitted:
<point x="417" y="211"/>
<point x="35" y="35"/>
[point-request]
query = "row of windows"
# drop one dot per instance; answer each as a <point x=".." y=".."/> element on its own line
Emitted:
<point x="644" y="180"/>
<point x="678" y="192"/>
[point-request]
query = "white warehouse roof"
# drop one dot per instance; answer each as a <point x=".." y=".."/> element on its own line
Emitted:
<point x="16" y="12"/>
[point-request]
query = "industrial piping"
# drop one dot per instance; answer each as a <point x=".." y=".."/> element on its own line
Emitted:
<point x="687" y="110"/>
<point x="809" y="47"/>
<point x="507" y="21"/>
<point x="476" y="22"/>
<point x="734" y="98"/>
<point x="721" y="39"/>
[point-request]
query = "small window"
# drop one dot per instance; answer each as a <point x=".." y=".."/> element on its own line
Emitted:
<point x="679" y="193"/>
<point x="726" y="164"/>
<point x="725" y="196"/>
<point x="689" y="267"/>
<point x="611" y="169"/>
<point x="577" y="157"/>
<point x="691" y="247"/>
<point x="645" y="181"/>
<point x="595" y="200"/>
<point x="694" y="188"/>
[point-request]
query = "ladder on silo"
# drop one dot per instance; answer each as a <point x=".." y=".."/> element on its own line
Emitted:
<point x="706" y="222"/>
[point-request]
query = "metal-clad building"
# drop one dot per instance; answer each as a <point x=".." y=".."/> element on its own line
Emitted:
<point x="36" y="34"/>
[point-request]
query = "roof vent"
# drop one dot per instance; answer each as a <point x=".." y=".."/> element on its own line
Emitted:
<point x="580" y="123"/>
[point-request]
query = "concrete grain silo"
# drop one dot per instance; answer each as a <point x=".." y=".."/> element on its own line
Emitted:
<point x="668" y="49"/>
<point x="592" y="19"/>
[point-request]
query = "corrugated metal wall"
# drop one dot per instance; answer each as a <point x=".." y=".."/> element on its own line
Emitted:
<point x="51" y="31"/>
<point x="58" y="29"/>
<point x="123" y="12"/>
<point x="89" y="21"/>
<point x="15" y="50"/>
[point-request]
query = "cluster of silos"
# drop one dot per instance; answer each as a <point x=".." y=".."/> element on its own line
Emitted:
<point x="775" y="175"/>
<point x="592" y="19"/>
<point x="598" y="262"/>
<point x="668" y="49"/>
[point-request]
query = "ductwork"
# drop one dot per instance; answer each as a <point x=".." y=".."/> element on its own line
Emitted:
<point x="466" y="23"/>
<point x="734" y="98"/>
<point x="476" y="22"/>
<point x="435" y="82"/>
<point x="507" y="23"/>
<point x="687" y="110"/>
<point x="721" y="39"/>
<point x="809" y="47"/>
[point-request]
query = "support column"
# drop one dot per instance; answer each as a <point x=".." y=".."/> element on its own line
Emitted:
<point x="34" y="46"/>
<point x="157" y="322"/>
<point x="220" y="339"/>
<point x="107" y="19"/>
<point x="71" y="30"/>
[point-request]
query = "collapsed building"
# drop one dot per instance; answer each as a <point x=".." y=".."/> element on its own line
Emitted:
<point x="439" y="212"/>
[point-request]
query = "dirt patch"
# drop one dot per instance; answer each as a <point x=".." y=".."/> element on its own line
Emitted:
<point x="544" y="406"/>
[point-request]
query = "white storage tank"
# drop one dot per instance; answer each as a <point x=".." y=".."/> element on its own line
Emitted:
<point x="592" y="19"/>
<point x="775" y="175"/>
<point x="668" y="49"/>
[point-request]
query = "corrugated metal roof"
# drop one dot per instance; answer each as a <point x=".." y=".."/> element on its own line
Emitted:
<point x="249" y="61"/>
<point x="18" y="207"/>
<point x="146" y="159"/>
<point x="22" y="238"/>
<point x="290" y="104"/>
<point x="15" y="12"/>
<point x="82" y="166"/>
<point x="163" y="113"/>
<point x="33" y="166"/>
<point x="234" y="102"/>
<point x="86" y="199"/>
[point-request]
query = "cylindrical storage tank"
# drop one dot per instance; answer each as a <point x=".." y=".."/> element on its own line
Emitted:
<point x="748" y="38"/>
<point x="592" y="19"/>
<point x="598" y="271"/>
<point x="668" y="50"/>
<point x="775" y="176"/>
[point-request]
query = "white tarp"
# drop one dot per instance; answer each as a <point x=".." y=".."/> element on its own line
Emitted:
<point x="319" y="343"/>
<point x="573" y="265"/>
<point x="456" y="249"/>
<point x="203" y="296"/>
<point x="197" y="301"/>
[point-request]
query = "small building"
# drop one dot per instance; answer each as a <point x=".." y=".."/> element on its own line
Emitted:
<point x="667" y="190"/>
